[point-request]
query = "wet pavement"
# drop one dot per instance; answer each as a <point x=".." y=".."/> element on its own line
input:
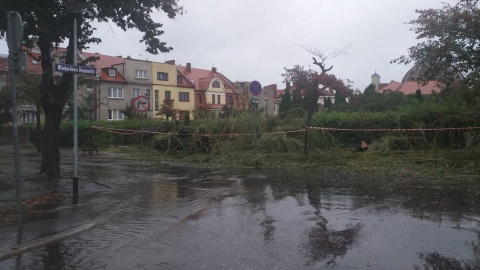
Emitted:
<point x="172" y="217"/>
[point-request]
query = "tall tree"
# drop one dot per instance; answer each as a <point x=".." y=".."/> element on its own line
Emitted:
<point x="450" y="42"/>
<point x="285" y="103"/>
<point x="52" y="23"/>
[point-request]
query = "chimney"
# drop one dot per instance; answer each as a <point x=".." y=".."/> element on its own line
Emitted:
<point x="119" y="56"/>
<point x="274" y="88"/>
<point x="189" y="67"/>
<point x="214" y="69"/>
<point x="170" y="62"/>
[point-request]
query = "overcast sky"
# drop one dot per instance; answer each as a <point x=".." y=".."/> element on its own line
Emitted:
<point x="255" y="39"/>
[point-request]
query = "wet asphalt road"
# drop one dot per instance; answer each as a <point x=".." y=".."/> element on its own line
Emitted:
<point x="166" y="217"/>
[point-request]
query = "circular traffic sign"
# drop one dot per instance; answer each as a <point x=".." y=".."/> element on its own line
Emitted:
<point x="141" y="103"/>
<point x="255" y="88"/>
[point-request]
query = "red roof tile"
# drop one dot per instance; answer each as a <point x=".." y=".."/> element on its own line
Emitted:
<point x="105" y="77"/>
<point x="393" y="85"/>
<point x="409" y="88"/>
<point x="201" y="76"/>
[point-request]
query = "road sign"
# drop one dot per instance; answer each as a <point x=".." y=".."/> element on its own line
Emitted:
<point x="66" y="68"/>
<point x="14" y="31"/>
<point x="255" y="88"/>
<point x="255" y="100"/>
<point x="141" y="103"/>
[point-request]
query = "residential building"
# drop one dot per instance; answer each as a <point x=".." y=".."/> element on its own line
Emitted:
<point x="171" y="88"/>
<point x="139" y="82"/>
<point x="213" y="91"/>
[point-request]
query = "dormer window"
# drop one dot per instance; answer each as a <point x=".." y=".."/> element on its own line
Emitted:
<point x="111" y="72"/>
<point x="216" y="84"/>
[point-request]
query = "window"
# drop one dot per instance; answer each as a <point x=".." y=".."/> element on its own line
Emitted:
<point x="216" y="84"/>
<point x="89" y="91"/>
<point x="115" y="92"/>
<point x="184" y="96"/>
<point x="28" y="115"/>
<point x="168" y="95"/>
<point x="136" y="92"/>
<point x="218" y="100"/>
<point x="111" y="72"/>
<point x="115" y="115"/>
<point x="140" y="74"/>
<point x="179" y="79"/>
<point x="213" y="99"/>
<point x="162" y="76"/>
<point x="157" y="94"/>
<point x="199" y="98"/>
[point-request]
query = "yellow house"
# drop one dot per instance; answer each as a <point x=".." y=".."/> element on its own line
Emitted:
<point x="172" y="92"/>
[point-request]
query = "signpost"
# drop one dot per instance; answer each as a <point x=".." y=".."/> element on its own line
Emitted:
<point x="75" y="69"/>
<point x="14" y="42"/>
<point x="255" y="89"/>
<point x="141" y="104"/>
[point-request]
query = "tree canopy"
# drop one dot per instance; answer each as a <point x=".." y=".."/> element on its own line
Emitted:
<point x="450" y="42"/>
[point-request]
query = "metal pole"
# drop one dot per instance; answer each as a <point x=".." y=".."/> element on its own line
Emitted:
<point x="75" y="117"/>
<point x="255" y="127"/>
<point x="16" y="151"/>
<point x="12" y="57"/>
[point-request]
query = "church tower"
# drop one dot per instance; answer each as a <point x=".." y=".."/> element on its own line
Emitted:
<point x="376" y="80"/>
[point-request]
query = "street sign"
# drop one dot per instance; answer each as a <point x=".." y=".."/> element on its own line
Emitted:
<point x="14" y="31"/>
<point x="66" y="68"/>
<point x="255" y="100"/>
<point x="141" y="103"/>
<point x="255" y="88"/>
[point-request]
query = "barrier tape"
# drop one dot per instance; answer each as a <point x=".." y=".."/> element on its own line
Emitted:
<point x="135" y="131"/>
<point x="393" y="129"/>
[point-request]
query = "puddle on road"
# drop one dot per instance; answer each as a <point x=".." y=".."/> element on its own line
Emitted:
<point x="184" y="218"/>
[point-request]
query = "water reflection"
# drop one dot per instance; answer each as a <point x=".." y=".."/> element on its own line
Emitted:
<point x="239" y="219"/>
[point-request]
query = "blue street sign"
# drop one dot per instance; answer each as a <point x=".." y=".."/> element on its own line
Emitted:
<point x="66" y="68"/>
<point x="255" y="88"/>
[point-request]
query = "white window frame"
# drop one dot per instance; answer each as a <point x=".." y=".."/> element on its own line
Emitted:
<point x="115" y="115"/>
<point x="111" y="72"/>
<point x="136" y="92"/>
<point x="29" y="115"/>
<point x="140" y="74"/>
<point x="115" y="92"/>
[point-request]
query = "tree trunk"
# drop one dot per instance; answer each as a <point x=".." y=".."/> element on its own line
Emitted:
<point x="39" y="129"/>
<point x="53" y="101"/>
<point x="51" y="151"/>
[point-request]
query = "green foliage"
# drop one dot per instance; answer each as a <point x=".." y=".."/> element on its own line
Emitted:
<point x="428" y="114"/>
<point x="297" y="98"/>
<point x="447" y="42"/>
<point x="285" y="103"/>
<point x="328" y="103"/>
<point x="130" y="113"/>
<point x="186" y="120"/>
<point x="418" y="95"/>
